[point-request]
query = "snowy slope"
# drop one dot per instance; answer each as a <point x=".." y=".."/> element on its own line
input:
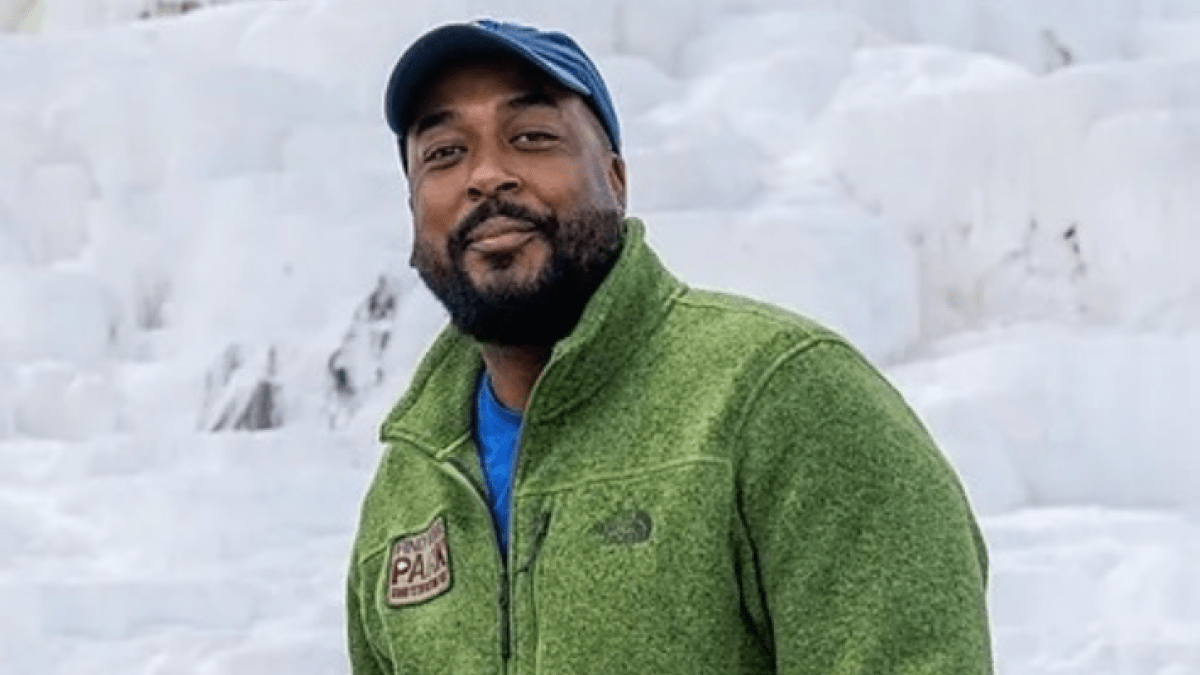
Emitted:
<point x="205" y="305"/>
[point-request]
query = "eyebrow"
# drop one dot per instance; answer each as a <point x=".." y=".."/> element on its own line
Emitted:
<point x="430" y="120"/>
<point x="531" y="99"/>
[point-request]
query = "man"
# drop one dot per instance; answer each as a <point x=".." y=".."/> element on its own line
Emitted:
<point x="597" y="469"/>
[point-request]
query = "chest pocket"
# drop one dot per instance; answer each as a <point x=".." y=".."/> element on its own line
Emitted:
<point x="637" y="574"/>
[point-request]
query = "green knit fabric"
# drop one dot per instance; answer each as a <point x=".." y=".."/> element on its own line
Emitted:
<point x="705" y="485"/>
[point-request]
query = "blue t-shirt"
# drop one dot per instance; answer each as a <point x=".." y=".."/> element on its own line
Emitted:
<point x="498" y="429"/>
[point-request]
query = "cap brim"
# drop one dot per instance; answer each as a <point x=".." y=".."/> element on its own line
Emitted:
<point x="454" y="42"/>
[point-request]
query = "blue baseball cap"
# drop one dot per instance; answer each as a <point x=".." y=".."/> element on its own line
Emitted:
<point x="553" y="53"/>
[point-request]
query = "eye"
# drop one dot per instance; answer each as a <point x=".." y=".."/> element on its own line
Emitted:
<point x="534" y="138"/>
<point x="441" y="154"/>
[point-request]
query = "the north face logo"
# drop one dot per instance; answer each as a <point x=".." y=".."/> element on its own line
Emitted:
<point x="419" y="567"/>
<point x="629" y="527"/>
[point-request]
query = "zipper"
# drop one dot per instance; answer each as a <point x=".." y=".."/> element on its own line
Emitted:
<point x="506" y="646"/>
<point x="502" y="561"/>
<point x="506" y="594"/>
<point x="543" y="520"/>
<point x="505" y="619"/>
<point x="504" y="550"/>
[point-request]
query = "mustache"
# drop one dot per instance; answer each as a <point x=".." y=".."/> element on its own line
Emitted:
<point x="460" y="239"/>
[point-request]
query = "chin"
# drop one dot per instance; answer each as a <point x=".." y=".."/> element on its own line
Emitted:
<point x="510" y="277"/>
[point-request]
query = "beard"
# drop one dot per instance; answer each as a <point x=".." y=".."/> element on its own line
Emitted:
<point x="542" y="310"/>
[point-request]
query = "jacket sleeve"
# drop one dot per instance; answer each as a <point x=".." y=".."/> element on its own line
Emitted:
<point x="867" y="558"/>
<point x="364" y="659"/>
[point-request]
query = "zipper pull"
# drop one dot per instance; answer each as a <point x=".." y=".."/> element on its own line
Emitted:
<point x="540" y="528"/>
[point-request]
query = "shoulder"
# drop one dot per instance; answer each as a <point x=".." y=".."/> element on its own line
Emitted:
<point x="758" y="360"/>
<point x="747" y="315"/>
<point x="797" y="379"/>
<point x="812" y="400"/>
<point x="759" y="336"/>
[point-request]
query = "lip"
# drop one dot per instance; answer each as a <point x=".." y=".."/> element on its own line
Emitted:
<point x="500" y="234"/>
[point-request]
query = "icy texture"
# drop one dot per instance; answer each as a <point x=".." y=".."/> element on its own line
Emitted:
<point x="206" y="305"/>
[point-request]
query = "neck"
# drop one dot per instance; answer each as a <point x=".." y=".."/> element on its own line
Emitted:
<point x="514" y="370"/>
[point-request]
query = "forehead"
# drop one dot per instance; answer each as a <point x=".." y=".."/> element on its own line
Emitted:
<point x="495" y="74"/>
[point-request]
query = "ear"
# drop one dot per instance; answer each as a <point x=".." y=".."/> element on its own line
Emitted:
<point x="616" y="179"/>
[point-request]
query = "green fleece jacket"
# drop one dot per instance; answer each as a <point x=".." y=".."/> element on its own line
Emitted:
<point x="704" y="484"/>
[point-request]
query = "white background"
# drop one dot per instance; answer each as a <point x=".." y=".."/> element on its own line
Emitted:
<point x="998" y="202"/>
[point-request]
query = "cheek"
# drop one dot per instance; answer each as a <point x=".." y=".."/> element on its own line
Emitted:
<point x="572" y="187"/>
<point x="428" y="240"/>
<point x="428" y="200"/>
<point x="424" y="251"/>
<point x="602" y="194"/>
<point x="434" y="211"/>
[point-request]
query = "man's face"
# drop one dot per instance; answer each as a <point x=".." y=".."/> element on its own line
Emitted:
<point x="517" y="201"/>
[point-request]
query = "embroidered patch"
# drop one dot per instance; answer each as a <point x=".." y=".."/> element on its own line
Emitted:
<point x="419" y="567"/>
<point x="629" y="527"/>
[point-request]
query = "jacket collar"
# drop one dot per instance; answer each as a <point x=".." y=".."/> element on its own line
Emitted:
<point x="436" y="411"/>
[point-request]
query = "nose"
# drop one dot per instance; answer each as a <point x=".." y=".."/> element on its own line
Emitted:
<point x="491" y="176"/>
